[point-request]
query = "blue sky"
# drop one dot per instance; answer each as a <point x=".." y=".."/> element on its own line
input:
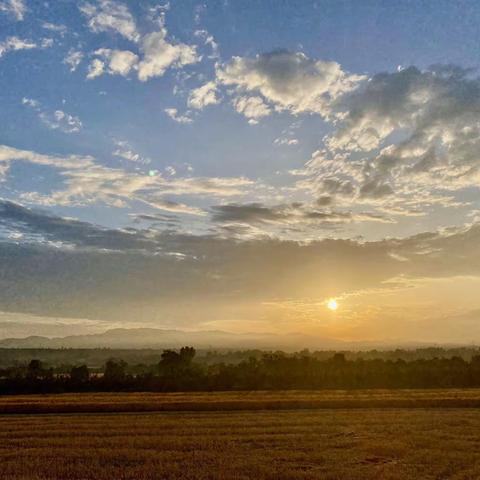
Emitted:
<point x="159" y="126"/>
<point x="363" y="38"/>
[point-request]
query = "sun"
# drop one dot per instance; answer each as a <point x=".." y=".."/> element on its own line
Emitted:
<point x="332" y="304"/>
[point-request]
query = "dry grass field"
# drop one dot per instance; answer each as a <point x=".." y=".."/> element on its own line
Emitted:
<point x="330" y="442"/>
<point x="229" y="401"/>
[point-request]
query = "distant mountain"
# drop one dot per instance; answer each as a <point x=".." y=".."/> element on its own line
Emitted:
<point x="158" y="338"/>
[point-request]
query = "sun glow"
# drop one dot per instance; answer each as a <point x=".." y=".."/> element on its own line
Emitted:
<point x="332" y="304"/>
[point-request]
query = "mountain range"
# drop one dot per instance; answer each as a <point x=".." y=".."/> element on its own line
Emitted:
<point x="160" y="338"/>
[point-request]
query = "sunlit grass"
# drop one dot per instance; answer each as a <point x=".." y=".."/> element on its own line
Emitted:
<point x="241" y="400"/>
<point x="309" y="444"/>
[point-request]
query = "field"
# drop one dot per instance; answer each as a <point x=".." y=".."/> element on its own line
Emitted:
<point x="258" y="435"/>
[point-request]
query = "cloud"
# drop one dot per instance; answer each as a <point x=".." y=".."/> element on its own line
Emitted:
<point x="159" y="55"/>
<point x="16" y="8"/>
<point x="62" y="121"/>
<point x="175" y="207"/>
<point x="115" y="275"/>
<point x="73" y="59"/>
<point x="156" y="56"/>
<point x="12" y="44"/>
<point x="289" y="81"/>
<point x="109" y="15"/>
<point x="10" y="154"/>
<point x="87" y="182"/>
<point x="40" y="227"/>
<point x="414" y="136"/>
<point x="175" y="116"/>
<point x="293" y="214"/>
<point x="252" y="107"/>
<point x="125" y="150"/>
<point x="120" y="62"/>
<point x="203" y="96"/>
<point x="286" y="141"/>
<point x="95" y="69"/>
<point x="210" y="41"/>
<point x="57" y="120"/>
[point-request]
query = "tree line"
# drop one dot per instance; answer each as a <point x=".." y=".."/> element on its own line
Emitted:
<point x="63" y="359"/>
<point x="178" y="371"/>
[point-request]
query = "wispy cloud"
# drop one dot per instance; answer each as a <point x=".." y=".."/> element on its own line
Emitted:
<point x="177" y="117"/>
<point x="73" y="59"/>
<point x="56" y="120"/>
<point x="87" y="182"/>
<point x="126" y="151"/>
<point x="12" y="44"/>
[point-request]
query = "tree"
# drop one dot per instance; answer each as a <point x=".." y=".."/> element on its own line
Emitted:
<point x="79" y="375"/>
<point x="115" y="371"/>
<point x="35" y="369"/>
<point x="187" y="355"/>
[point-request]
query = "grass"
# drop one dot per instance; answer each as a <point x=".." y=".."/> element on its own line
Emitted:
<point x="231" y="401"/>
<point x="252" y="443"/>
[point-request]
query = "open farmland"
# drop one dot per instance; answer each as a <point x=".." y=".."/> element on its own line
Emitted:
<point x="231" y="401"/>
<point x="238" y="437"/>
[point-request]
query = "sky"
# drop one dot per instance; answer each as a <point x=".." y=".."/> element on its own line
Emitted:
<point x="275" y="166"/>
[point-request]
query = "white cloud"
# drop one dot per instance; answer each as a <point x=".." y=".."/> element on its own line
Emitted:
<point x="12" y="44"/>
<point x="95" y="69"/>
<point x="125" y="150"/>
<point x="415" y="135"/>
<point x="159" y="55"/>
<point x="16" y="8"/>
<point x="202" y="96"/>
<point x="47" y="43"/>
<point x="108" y="15"/>
<point x="58" y="120"/>
<point x="120" y="62"/>
<point x="73" y="59"/>
<point x="252" y="107"/>
<point x="290" y="81"/>
<point x="62" y="121"/>
<point x="285" y="141"/>
<point x="87" y="182"/>
<point x="31" y="102"/>
<point x="174" y="115"/>
<point x="156" y="56"/>
<point x="175" y="207"/>
<point x="10" y="154"/>
<point x="210" y="41"/>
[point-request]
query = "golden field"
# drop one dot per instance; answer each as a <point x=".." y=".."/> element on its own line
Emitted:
<point x="240" y="441"/>
<point x="238" y="400"/>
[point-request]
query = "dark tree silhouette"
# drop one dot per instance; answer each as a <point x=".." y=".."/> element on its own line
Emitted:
<point x="35" y="368"/>
<point x="178" y="371"/>
<point x="115" y="371"/>
<point x="79" y="375"/>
